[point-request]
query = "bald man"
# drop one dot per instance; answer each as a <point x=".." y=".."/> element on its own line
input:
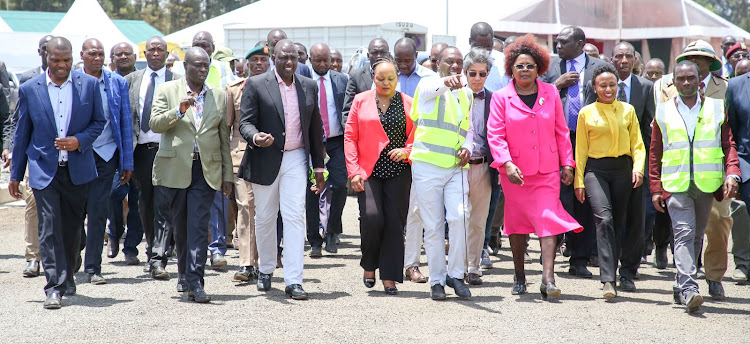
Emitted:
<point x="112" y="152"/>
<point x="409" y="71"/>
<point x="654" y="69"/>
<point x="274" y="36"/>
<point x="482" y="36"/>
<point x="434" y="52"/>
<point x="360" y="80"/>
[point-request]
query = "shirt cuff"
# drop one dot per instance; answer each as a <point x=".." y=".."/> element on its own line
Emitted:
<point x="319" y="169"/>
<point x="180" y="114"/>
<point x="736" y="177"/>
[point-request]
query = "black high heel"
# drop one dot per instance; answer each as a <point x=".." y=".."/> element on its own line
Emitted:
<point x="369" y="282"/>
<point x="390" y="290"/>
<point x="518" y="288"/>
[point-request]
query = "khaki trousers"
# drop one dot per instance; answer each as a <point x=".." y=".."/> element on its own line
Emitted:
<point x="717" y="233"/>
<point x="31" y="235"/>
<point x="245" y="229"/>
<point x="479" y="208"/>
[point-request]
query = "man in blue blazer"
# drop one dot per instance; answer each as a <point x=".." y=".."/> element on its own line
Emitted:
<point x="738" y="115"/>
<point x="60" y="115"/>
<point x="113" y="152"/>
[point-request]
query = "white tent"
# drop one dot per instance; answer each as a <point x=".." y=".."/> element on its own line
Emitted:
<point x="4" y="26"/>
<point x="86" y="19"/>
<point x="449" y="17"/>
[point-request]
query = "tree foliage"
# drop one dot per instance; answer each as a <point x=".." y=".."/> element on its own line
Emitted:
<point x="166" y="15"/>
<point x="735" y="11"/>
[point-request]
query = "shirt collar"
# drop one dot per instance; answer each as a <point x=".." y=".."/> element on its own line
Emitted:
<point x="159" y="73"/>
<point x="68" y="80"/>
<point x="697" y="103"/>
<point x="705" y="82"/>
<point x="580" y="62"/>
<point x="627" y="81"/>
<point x="423" y="71"/>
<point x="203" y="91"/>
<point x="279" y="79"/>
<point x="326" y="76"/>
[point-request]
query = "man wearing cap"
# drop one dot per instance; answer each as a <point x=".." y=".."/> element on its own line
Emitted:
<point x="726" y="43"/>
<point x="735" y="54"/>
<point x="244" y="200"/>
<point x="720" y="221"/>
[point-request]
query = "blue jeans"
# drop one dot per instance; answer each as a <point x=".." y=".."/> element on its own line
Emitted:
<point x="217" y="224"/>
<point x="116" y="222"/>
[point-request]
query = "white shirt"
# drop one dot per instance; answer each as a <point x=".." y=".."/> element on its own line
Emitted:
<point x="689" y="115"/>
<point x="627" y="83"/>
<point x="150" y="136"/>
<point x="61" y="99"/>
<point x="581" y="69"/>
<point x="432" y="87"/>
<point x="705" y="83"/>
<point x="334" y="124"/>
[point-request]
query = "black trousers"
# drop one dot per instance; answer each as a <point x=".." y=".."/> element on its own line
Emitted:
<point x="157" y="228"/>
<point x="582" y="245"/>
<point x="383" y="207"/>
<point x="337" y="177"/>
<point x="97" y="209"/>
<point x="190" y="212"/>
<point x="608" y="184"/>
<point x="60" y="207"/>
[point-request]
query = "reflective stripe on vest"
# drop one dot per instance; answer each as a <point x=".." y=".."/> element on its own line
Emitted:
<point x="440" y="134"/>
<point x="701" y="160"/>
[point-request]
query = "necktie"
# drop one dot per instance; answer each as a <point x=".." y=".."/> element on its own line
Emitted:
<point x="324" y="107"/>
<point x="702" y="89"/>
<point x="146" y="115"/>
<point x="574" y="103"/>
<point x="621" y="93"/>
<point x="479" y="95"/>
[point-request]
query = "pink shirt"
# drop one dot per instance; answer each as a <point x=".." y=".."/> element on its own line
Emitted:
<point x="293" y="137"/>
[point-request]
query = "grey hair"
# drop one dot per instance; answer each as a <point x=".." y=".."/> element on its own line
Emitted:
<point x="476" y="56"/>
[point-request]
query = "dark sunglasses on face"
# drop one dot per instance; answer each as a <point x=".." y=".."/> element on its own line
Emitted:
<point x="522" y="66"/>
<point x="473" y="74"/>
<point x="740" y="55"/>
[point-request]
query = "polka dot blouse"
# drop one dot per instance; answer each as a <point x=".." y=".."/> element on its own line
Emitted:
<point x="394" y="124"/>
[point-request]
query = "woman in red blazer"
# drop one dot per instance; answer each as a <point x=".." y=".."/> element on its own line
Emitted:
<point x="377" y="143"/>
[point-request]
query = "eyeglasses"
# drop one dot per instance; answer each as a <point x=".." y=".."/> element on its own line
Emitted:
<point x="522" y="66"/>
<point x="473" y="74"/>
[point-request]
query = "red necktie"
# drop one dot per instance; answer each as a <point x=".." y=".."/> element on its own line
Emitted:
<point x="324" y="107"/>
<point x="702" y="89"/>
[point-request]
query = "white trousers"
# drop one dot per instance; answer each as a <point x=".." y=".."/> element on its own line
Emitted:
<point x="413" y="244"/>
<point x="480" y="190"/>
<point x="442" y="195"/>
<point x="286" y="193"/>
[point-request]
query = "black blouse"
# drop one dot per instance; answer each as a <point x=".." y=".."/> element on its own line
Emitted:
<point x="529" y="99"/>
<point x="394" y="124"/>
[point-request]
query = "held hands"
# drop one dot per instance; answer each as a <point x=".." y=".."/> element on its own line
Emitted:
<point x="637" y="179"/>
<point x="581" y="195"/>
<point x="69" y="143"/>
<point x="567" y="80"/>
<point x="453" y="81"/>
<point x="358" y="184"/>
<point x="658" y="202"/>
<point x="463" y="156"/>
<point x="187" y="101"/>
<point x="263" y="139"/>
<point x="567" y="175"/>
<point x="398" y="154"/>
<point x="514" y="173"/>
<point x="730" y="187"/>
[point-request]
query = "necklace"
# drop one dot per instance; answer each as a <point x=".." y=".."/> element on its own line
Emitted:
<point x="383" y="105"/>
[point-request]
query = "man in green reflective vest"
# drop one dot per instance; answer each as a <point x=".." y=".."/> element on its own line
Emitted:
<point x="441" y="113"/>
<point x="692" y="158"/>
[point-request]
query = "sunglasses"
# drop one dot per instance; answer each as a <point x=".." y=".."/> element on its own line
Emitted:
<point x="473" y="74"/>
<point x="740" y="55"/>
<point x="522" y="66"/>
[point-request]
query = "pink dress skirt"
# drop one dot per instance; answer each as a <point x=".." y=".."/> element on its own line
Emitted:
<point x="535" y="207"/>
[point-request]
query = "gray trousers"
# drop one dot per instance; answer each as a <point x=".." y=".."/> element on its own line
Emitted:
<point x="740" y="235"/>
<point x="689" y="212"/>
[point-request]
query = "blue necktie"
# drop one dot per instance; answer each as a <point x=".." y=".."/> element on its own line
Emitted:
<point x="574" y="103"/>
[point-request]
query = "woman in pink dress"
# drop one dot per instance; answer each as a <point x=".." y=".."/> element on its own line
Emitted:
<point x="530" y="142"/>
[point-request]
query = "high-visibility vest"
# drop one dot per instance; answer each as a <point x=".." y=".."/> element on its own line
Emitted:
<point x="700" y="160"/>
<point x="441" y="133"/>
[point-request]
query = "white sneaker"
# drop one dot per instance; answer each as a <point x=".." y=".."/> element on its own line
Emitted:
<point x="486" y="263"/>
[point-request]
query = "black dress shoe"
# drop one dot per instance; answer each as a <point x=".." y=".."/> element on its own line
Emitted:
<point x="182" y="285"/>
<point x="661" y="258"/>
<point x="459" y="287"/>
<point x="296" y="292"/>
<point x="53" y="301"/>
<point x="131" y="259"/>
<point x="264" y="281"/>
<point x="716" y="290"/>
<point x="244" y="274"/>
<point x="437" y="292"/>
<point x="473" y="279"/>
<point x="113" y="247"/>
<point x="331" y="246"/>
<point x="580" y="271"/>
<point x="316" y="252"/>
<point x="626" y="284"/>
<point x="519" y="288"/>
<point x="32" y="269"/>
<point x="390" y="290"/>
<point x="158" y="272"/>
<point x="199" y="296"/>
<point x="96" y="279"/>
<point x="71" y="289"/>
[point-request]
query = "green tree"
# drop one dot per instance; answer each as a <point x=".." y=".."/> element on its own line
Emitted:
<point x="735" y="11"/>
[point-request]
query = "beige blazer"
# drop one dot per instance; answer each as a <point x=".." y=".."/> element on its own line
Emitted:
<point x="237" y="144"/>
<point x="173" y="162"/>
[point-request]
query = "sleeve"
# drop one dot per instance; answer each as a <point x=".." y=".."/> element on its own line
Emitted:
<point x="164" y="117"/>
<point x="249" y="114"/>
<point x="231" y="113"/>
<point x="22" y="137"/>
<point x="431" y="88"/>
<point x="410" y="128"/>
<point x="562" y="135"/>
<point x="469" y="140"/>
<point x="351" y="141"/>
<point x="315" y="132"/>
<point x="496" y="132"/>
<point x="637" y="150"/>
<point x="126" y="126"/>
<point x="654" y="160"/>
<point x="582" y="149"/>
<point x="731" y="160"/>
<point x="647" y="118"/>
<point x="4" y="116"/>
<point x="351" y="91"/>
<point x="227" y="172"/>
<point x="87" y="137"/>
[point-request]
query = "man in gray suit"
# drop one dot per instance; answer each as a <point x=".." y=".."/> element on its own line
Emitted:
<point x="360" y="79"/>
<point x="571" y="74"/>
<point x="142" y="88"/>
<point x="42" y="51"/>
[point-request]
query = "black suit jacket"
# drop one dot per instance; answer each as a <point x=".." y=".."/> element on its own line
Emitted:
<point x="262" y="110"/>
<point x="25" y="76"/>
<point x="338" y="84"/>
<point x="558" y="67"/>
<point x="738" y="114"/>
<point x="9" y="122"/>
<point x="642" y="99"/>
<point x="360" y="80"/>
<point x="494" y="174"/>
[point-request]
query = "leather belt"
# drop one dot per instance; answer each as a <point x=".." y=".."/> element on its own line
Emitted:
<point x="477" y="161"/>
<point x="62" y="164"/>
<point x="150" y="145"/>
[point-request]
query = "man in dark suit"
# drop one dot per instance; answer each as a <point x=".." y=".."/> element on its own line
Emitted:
<point x="331" y="88"/>
<point x="112" y="152"/>
<point x="639" y="93"/>
<point x="273" y="38"/>
<point x="42" y="51"/>
<point x="571" y="74"/>
<point x="56" y="141"/>
<point x="142" y="85"/>
<point x="360" y="79"/>
<point x="280" y="120"/>
<point x="738" y="115"/>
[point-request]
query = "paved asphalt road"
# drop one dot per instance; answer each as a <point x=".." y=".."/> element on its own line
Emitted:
<point x="134" y="308"/>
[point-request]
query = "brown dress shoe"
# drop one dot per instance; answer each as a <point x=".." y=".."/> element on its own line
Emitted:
<point x="473" y="279"/>
<point x="414" y="275"/>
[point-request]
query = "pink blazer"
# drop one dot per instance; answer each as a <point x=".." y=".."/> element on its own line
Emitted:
<point x="364" y="137"/>
<point x="536" y="140"/>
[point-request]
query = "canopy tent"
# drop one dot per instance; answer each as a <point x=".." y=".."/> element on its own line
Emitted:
<point x="86" y="19"/>
<point x="4" y="26"/>
<point x="615" y="20"/>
